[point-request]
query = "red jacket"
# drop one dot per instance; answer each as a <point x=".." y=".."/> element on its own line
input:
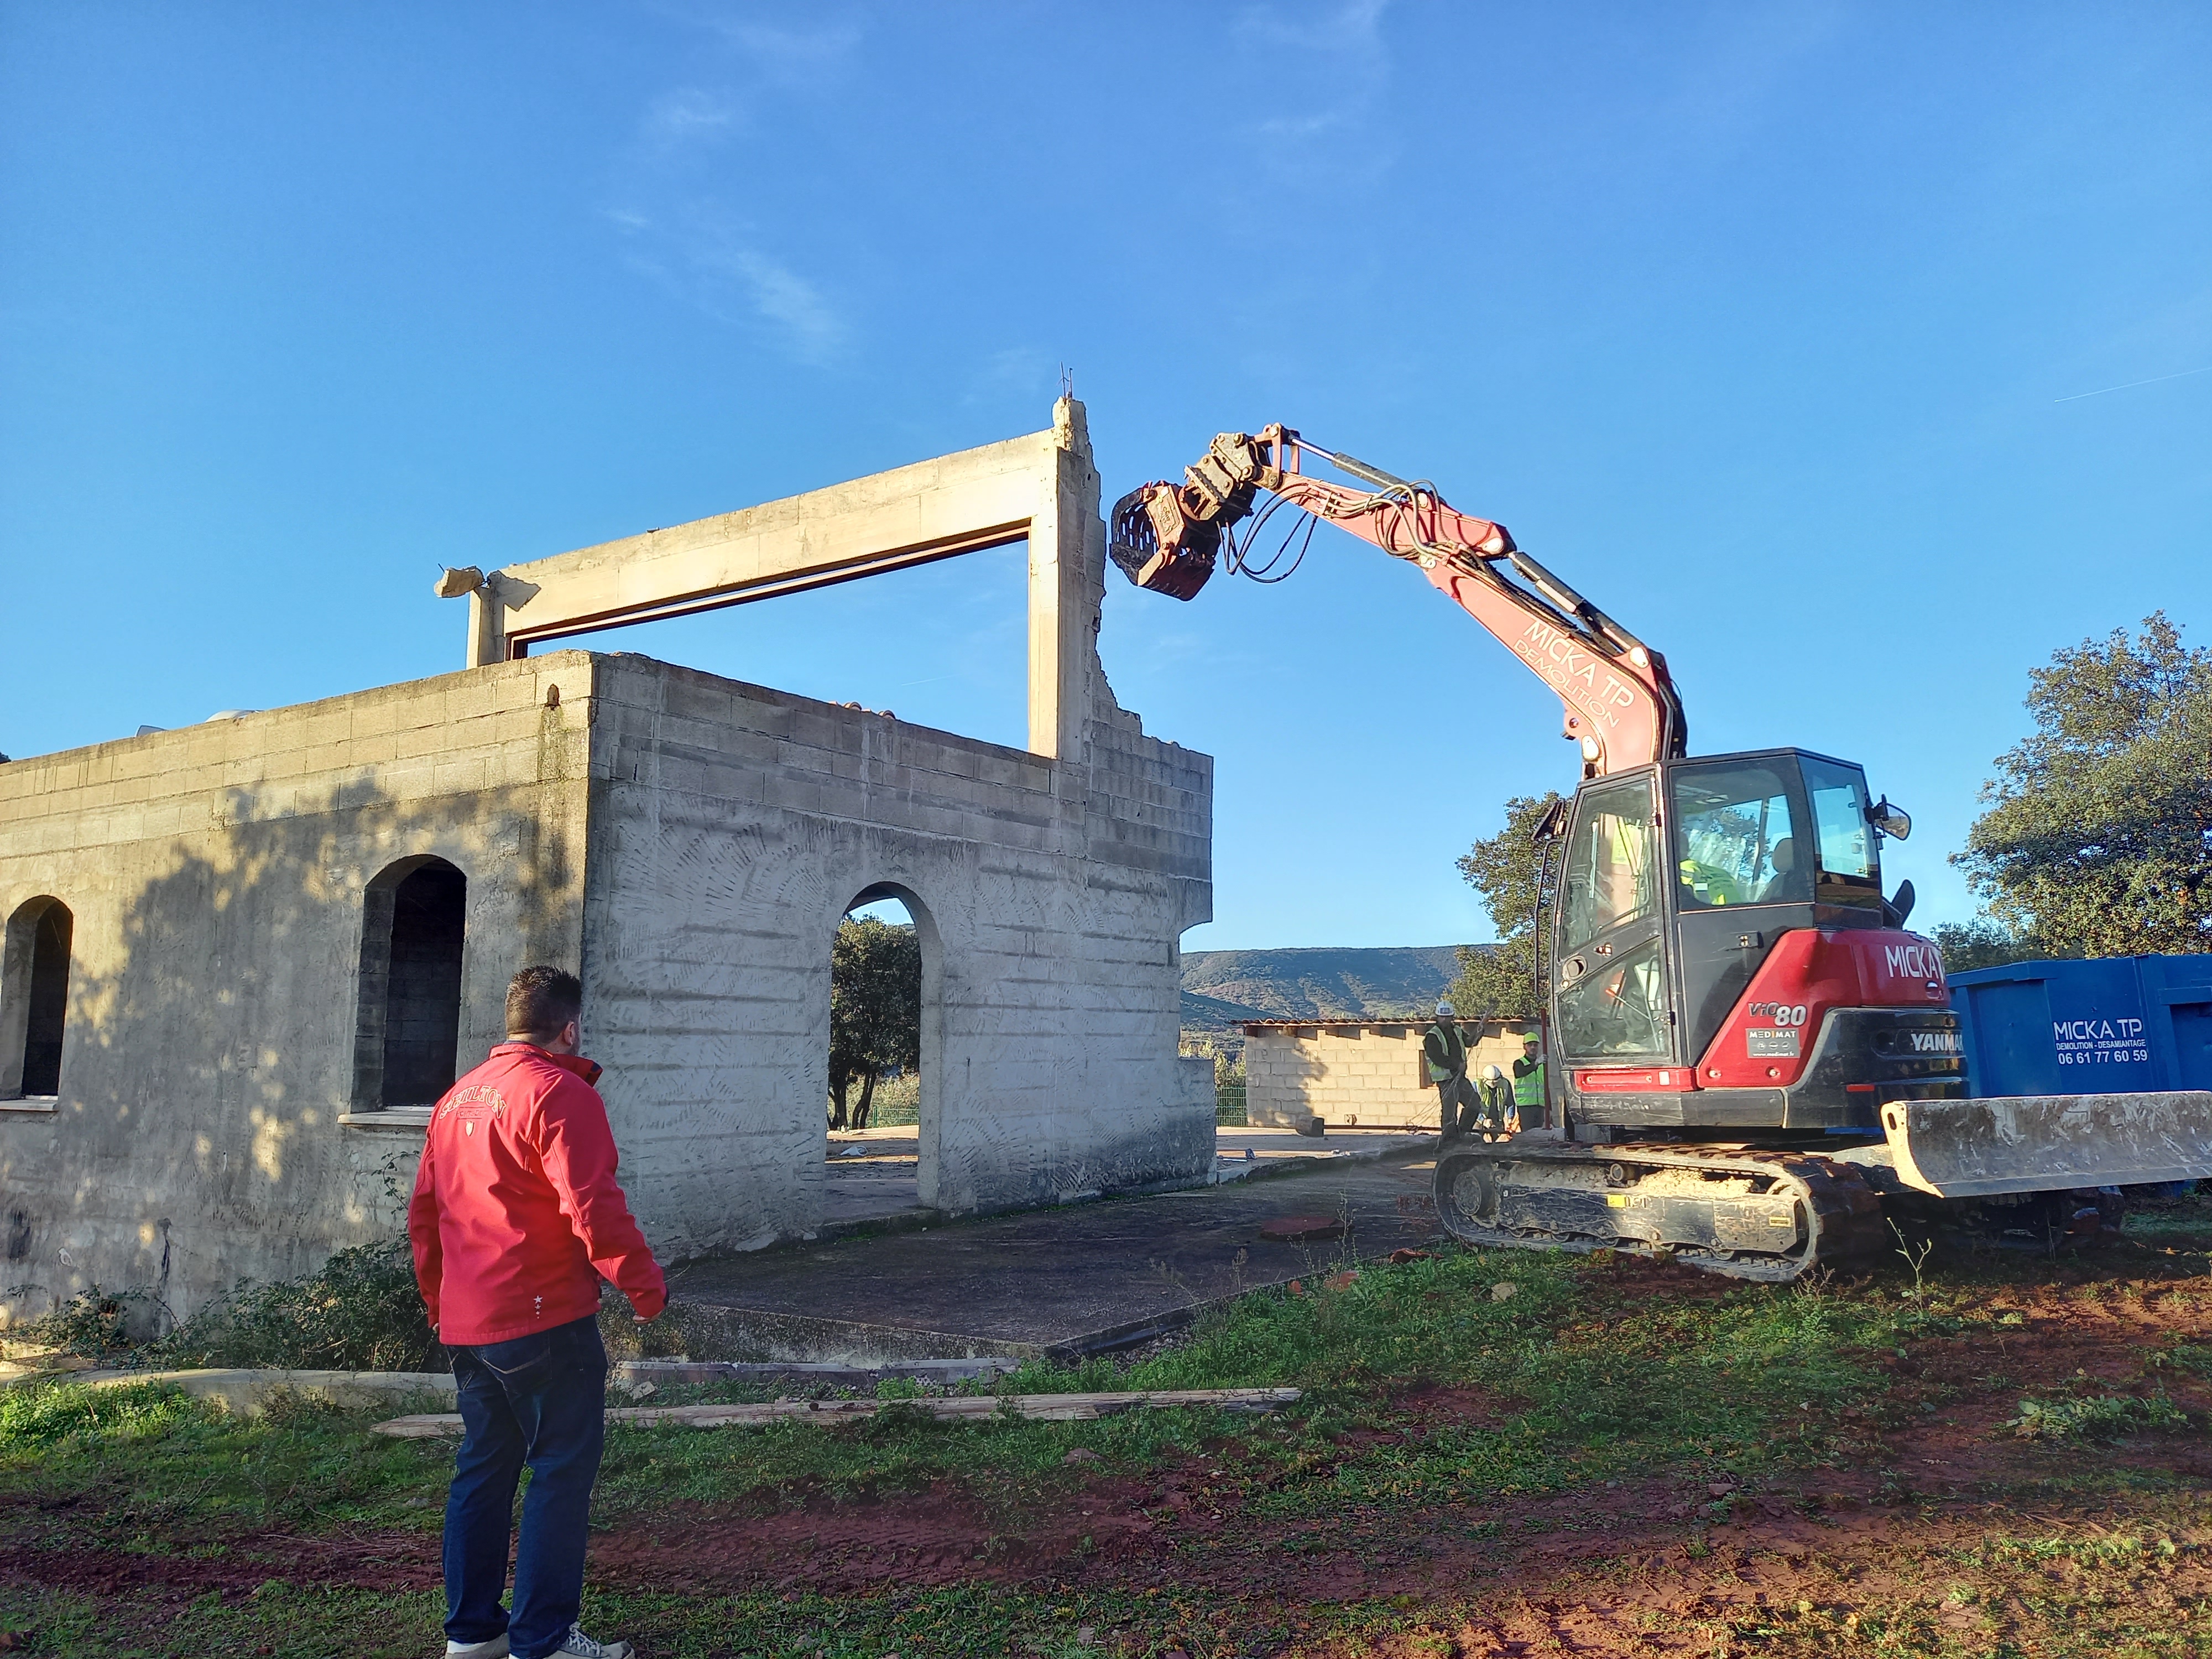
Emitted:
<point x="516" y="1214"/>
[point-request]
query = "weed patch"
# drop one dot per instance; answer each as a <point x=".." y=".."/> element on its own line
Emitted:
<point x="359" y="1311"/>
<point x="2097" y="1416"/>
<point x="40" y="1415"/>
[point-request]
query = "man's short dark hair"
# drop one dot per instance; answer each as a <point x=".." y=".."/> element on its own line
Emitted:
<point x="540" y="1000"/>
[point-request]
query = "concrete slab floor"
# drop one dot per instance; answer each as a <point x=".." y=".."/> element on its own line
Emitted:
<point x="1087" y="1278"/>
<point x="873" y="1174"/>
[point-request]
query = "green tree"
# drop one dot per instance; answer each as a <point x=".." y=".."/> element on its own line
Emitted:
<point x="875" y="1011"/>
<point x="1981" y="942"/>
<point x="1497" y="981"/>
<point x="2098" y="836"/>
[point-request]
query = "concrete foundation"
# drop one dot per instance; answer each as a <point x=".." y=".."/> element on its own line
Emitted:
<point x="265" y="917"/>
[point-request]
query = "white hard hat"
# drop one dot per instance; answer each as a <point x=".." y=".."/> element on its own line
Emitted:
<point x="1492" y="1073"/>
<point x="1445" y="1009"/>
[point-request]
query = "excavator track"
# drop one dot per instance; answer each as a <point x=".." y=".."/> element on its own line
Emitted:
<point x="1769" y="1216"/>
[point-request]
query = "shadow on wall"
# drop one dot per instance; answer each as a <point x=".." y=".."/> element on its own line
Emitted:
<point x="216" y="1019"/>
<point x="1279" y="1090"/>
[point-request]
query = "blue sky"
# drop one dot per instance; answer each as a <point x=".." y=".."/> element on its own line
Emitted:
<point x="1769" y="327"/>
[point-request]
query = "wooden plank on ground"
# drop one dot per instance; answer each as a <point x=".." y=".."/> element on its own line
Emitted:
<point x="1035" y="1408"/>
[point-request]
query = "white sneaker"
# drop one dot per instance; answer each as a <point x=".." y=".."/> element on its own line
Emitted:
<point x="494" y="1648"/>
<point x="583" y="1647"/>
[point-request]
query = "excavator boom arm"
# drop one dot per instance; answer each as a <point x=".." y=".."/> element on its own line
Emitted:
<point x="1619" y="701"/>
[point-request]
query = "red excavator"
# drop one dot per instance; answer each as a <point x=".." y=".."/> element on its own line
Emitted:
<point x="1751" y="1053"/>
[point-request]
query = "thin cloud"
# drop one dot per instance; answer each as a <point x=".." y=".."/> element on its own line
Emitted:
<point x="795" y="57"/>
<point x="1322" y="72"/>
<point x="721" y="269"/>
<point x="1355" y="28"/>
<point x="674" y="207"/>
<point x="687" y="115"/>
<point x="811" y="326"/>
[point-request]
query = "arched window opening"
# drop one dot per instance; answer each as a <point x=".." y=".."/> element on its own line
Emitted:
<point x="36" y="1006"/>
<point x="408" y="1036"/>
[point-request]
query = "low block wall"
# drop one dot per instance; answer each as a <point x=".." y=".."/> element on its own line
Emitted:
<point x="1363" y="1075"/>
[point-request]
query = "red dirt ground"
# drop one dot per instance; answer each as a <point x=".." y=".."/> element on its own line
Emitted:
<point x="1582" y="1569"/>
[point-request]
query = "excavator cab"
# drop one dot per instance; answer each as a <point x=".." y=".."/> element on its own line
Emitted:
<point x="1677" y="885"/>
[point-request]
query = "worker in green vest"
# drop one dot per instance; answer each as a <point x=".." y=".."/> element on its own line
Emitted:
<point x="1529" y="1082"/>
<point x="1498" y="1120"/>
<point x="1443" y="1049"/>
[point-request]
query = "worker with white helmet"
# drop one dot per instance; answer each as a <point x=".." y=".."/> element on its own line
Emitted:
<point x="1500" y="1117"/>
<point x="1443" y="1050"/>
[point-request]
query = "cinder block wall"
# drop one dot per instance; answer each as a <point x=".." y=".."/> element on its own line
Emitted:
<point x="1368" y="1075"/>
<point x="733" y="825"/>
<point x="215" y="877"/>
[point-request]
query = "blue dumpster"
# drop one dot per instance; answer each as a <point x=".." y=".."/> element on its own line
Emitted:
<point x="2112" y="1025"/>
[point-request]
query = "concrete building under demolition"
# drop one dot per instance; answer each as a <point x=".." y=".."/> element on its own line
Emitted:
<point x="242" y="958"/>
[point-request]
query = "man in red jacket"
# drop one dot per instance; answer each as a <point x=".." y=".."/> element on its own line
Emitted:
<point x="516" y="1218"/>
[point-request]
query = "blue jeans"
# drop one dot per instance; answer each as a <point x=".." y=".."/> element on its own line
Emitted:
<point x="538" y="1399"/>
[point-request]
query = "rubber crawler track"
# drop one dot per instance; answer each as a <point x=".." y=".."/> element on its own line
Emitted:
<point x="1843" y="1215"/>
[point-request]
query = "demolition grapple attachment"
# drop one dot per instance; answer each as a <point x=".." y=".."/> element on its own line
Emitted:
<point x="1166" y="536"/>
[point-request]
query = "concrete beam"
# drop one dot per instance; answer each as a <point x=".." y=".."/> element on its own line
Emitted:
<point x="1042" y="487"/>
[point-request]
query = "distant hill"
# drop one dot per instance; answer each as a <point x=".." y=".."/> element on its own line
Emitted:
<point x="1222" y="990"/>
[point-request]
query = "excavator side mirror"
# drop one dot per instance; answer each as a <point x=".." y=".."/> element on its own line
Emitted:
<point x="1889" y="820"/>
<point x="1553" y="824"/>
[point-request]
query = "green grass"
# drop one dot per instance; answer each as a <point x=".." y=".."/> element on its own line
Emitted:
<point x="161" y="1471"/>
<point x="2095" y="1417"/>
<point x="1575" y="1379"/>
<point x="897" y="1103"/>
<point x="1743" y="1383"/>
<point x="2182" y="1224"/>
<point x="1578" y="1387"/>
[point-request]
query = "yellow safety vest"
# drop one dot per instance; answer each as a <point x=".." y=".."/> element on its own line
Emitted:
<point x="1527" y="1083"/>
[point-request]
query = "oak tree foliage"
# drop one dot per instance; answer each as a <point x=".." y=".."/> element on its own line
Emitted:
<point x="875" y="1011"/>
<point x="2098" y="837"/>
<point x="1981" y="942"/>
<point x="1497" y="981"/>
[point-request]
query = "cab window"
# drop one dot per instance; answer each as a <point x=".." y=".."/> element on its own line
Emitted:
<point x="1611" y="861"/>
<point x="1737" y="840"/>
<point x="1617" y="1008"/>
<point x="1851" y="871"/>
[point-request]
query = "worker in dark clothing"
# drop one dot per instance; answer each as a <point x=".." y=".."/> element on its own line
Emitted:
<point x="1528" y="1081"/>
<point x="1444" y="1050"/>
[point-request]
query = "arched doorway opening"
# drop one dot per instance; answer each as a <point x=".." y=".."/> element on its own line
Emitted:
<point x="875" y="1017"/>
<point x="408" y="1030"/>
<point x="880" y="1091"/>
<point x="36" y="986"/>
